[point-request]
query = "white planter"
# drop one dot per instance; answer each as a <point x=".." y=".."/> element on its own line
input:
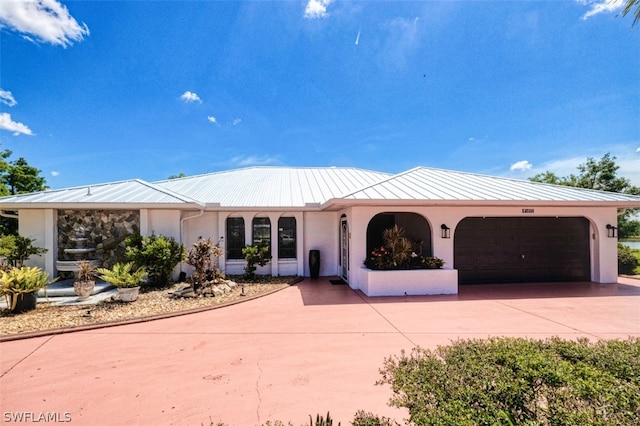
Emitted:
<point x="411" y="282"/>
<point x="128" y="294"/>
<point x="83" y="289"/>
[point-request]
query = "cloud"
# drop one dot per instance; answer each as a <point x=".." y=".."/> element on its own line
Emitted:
<point x="255" y="160"/>
<point x="521" y="165"/>
<point x="55" y="173"/>
<point x="600" y="6"/>
<point x="43" y="20"/>
<point x="237" y="121"/>
<point x="190" y="97"/>
<point x="317" y="9"/>
<point x="6" y="123"/>
<point x="7" y="98"/>
<point x="212" y="119"/>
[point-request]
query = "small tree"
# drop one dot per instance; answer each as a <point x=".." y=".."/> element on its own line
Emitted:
<point x="16" y="249"/>
<point x="254" y="255"/>
<point x="200" y="258"/>
<point x="159" y="255"/>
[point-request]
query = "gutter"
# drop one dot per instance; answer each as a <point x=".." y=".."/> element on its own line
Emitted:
<point x="182" y="221"/>
<point x="3" y="213"/>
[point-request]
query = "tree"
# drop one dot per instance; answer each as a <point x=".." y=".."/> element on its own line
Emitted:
<point x="636" y="14"/>
<point x="178" y="176"/>
<point x="600" y="175"/>
<point x="19" y="177"/>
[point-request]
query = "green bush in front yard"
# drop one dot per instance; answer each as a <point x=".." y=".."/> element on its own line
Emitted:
<point x="627" y="260"/>
<point x="518" y="381"/>
<point x="159" y="255"/>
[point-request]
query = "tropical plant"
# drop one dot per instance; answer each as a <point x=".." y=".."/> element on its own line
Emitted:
<point x="159" y="255"/>
<point x="200" y="257"/>
<point x="86" y="271"/>
<point x="400" y="252"/>
<point x="16" y="249"/>
<point x="20" y="281"/>
<point x="122" y="275"/>
<point x="254" y="255"/>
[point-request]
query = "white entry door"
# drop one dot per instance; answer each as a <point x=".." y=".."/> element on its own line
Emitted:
<point x="344" y="249"/>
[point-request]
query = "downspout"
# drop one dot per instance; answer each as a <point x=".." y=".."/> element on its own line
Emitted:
<point x="182" y="221"/>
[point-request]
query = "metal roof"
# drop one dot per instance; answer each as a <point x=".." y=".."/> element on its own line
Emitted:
<point x="423" y="183"/>
<point x="320" y="188"/>
<point x="268" y="187"/>
<point x="125" y="192"/>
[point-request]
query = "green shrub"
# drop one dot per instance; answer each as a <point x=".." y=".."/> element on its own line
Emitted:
<point x="254" y="255"/>
<point x="369" y="419"/>
<point x="122" y="275"/>
<point x="627" y="260"/>
<point x="519" y="381"/>
<point x="16" y="249"/>
<point x="159" y="255"/>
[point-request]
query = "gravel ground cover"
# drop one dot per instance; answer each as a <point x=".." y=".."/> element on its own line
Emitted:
<point x="149" y="304"/>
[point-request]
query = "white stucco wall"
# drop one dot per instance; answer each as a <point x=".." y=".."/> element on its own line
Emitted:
<point x="160" y="222"/>
<point x="321" y="233"/>
<point x="40" y="225"/>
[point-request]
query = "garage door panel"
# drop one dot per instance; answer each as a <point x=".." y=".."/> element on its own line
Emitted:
<point x="522" y="250"/>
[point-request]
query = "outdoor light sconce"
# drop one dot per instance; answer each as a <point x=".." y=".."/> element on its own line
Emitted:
<point x="611" y="231"/>
<point x="446" y="231"/>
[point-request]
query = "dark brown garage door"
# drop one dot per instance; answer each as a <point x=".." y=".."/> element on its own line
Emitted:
<point x="503" y="250"/>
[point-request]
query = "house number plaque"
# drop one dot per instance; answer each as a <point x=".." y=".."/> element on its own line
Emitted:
<point x="528" y="211"/>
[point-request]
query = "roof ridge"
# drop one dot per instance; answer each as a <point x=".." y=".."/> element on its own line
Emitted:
<point x="169" y="192"/>
<point x="386" y="179"/>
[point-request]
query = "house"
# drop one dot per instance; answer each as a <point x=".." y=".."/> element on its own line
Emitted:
<point x="487" y="229"/>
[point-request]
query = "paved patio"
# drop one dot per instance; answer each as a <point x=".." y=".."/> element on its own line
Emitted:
<point x="311" y="348"/>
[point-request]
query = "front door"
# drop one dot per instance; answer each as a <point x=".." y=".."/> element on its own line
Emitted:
<point x="344" y="249"/>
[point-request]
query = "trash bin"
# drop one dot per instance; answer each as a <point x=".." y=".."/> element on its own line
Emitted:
<point x="314" y="263"/>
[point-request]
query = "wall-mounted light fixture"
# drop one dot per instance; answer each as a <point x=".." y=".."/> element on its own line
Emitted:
<point x="446" y="231"/>
<point x="612" y="231"/>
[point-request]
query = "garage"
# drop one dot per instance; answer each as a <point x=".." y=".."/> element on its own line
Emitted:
<point x="517" y="249"/>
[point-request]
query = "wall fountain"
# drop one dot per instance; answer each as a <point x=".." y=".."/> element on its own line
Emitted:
<point x="80" y="252"/>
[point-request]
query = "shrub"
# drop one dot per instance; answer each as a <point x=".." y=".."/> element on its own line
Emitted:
<point x="159" y="255"/>
<point x="519" y="381"/>
<point x="627" y="260"/>
<point x="400" y="252"/>
<point x="122" y="275"/>
<point x="17" y="249"/>
<point x="200" y="258"/>
<point x="254" y="255"/>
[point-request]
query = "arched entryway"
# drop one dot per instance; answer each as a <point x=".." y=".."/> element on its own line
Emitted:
<point x="518" y="249"/>
<point x="415" y="226"/>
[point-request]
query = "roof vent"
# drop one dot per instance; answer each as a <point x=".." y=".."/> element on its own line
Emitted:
<point x="88" y="190"/>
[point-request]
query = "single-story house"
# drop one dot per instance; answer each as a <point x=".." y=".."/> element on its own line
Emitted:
<point x="486" y="229"/>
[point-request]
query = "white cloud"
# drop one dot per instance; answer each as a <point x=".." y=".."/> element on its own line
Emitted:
<point x="237" y="121"/>
<point x="521" y="165"/>
<point x="638" y="149"/>
<point x="6" y="123"/>
<point x="7" y="98"/>
<point x="190" y="97"/>
<point x="254" y="160"/>
<point x="55" y="173"/>
<point x="600" y="6"/>
<point x="43" y="20"/>
<point x="317" y="9"/>
<point x="212" y="119"/>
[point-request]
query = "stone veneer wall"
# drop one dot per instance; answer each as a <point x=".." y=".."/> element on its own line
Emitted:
<point x="105" y="230"/>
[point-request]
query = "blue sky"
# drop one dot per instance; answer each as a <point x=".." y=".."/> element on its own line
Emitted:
<point x="97" y="91"/>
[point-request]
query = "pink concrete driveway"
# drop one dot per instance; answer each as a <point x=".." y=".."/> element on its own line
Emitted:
<point x="311" y="348"/>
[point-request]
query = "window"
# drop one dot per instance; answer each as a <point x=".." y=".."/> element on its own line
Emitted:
<point x="235" y="237"/>
<point x="287" y="238"/>
<point x="262" y="232"/>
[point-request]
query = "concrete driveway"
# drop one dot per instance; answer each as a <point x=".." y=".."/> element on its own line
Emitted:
<point x="311" y="348"/>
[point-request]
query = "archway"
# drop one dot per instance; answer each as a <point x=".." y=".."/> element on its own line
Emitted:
<point x="415" y="226"/>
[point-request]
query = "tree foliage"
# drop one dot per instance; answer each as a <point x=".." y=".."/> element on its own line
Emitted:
<point x="629" y="6"/>
<point x="600" y="175"/>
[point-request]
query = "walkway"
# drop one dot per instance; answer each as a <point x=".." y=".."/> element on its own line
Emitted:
<point x="311" y="348"/>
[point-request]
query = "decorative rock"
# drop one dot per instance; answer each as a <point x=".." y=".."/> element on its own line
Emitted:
<point x="217" y="291"/>
<point x="232" y="284"/>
